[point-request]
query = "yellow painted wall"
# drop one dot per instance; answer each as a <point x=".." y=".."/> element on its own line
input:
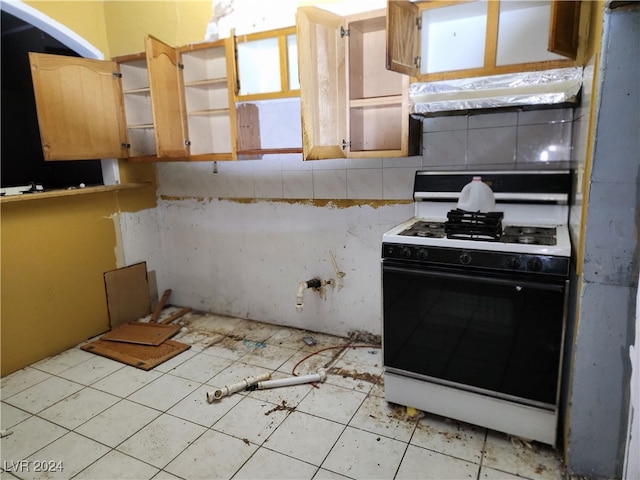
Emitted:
<point x="173" y="22"/>
<point x="86" y="18"/>
<point x="54" y="251"/>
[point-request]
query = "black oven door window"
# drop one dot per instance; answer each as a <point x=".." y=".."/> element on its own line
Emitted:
<point x="492" y="333"/>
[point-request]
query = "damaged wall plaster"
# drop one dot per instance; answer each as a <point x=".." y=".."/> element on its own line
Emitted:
<point x="247" y="259"/>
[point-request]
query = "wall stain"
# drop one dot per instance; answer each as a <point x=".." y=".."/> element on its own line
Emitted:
<point x="317" y="202"/>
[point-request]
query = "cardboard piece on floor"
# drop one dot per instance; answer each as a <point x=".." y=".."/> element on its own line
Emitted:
<point x="144" y="357"/>
<point x="142" y="333"/>
<point x="127" y="294"/>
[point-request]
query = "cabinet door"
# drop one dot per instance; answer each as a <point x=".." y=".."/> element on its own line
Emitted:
<point x="79" y="104"/>
<point x="321" y="66"/>
<point x="167" y="99"/>
<point x="565" y="21"/>
<point x="403" y="41"/>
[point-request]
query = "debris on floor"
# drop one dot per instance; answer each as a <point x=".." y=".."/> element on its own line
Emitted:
<point x="309" y="340"/>
<point x="144" y="357"/>
<point x="138" y="337"/>
<point x="142" y="333"/>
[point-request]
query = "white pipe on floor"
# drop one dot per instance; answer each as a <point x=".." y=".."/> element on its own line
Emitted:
<point x="321" y="376"/>
<point x="236" y="387"/>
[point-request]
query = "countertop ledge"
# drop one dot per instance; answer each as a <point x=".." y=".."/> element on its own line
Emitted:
<point x="25" y="197"/>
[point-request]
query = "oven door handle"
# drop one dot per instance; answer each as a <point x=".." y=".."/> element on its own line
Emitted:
<point x="516" y="283"/>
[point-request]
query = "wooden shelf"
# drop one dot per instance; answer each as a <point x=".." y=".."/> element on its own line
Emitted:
<point x="269" y="151"/>
<point x="376" y="101"/>
<point x="214" y="111"/>
<point x="208" y="83"/>
<point x="71" y="192"/>
<point x="138" y="91"/>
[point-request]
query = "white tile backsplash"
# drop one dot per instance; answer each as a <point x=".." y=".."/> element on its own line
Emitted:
<point x="297" y="184"/>
<point x="445" y="148"/>
<point x="491" y="146"/>
<point x="330" y="183"/>
<point x="441" y="124"/>
<point x="501" y="119"/>
<point x="554" y="115"/>
<point x="549" y="142"/>
<point x="364" y="183"/>
<point x="397" y="183"/>
<point x="496" y="140"/>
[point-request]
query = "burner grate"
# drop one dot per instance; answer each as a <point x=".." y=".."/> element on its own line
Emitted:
<point x="465" y="225"/>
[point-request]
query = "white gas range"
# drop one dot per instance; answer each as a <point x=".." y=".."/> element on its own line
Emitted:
<point x="521" y="210"/>
<point x="474" y="304"/>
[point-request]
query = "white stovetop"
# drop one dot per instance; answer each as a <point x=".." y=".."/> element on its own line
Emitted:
<point x="514" y="215"/>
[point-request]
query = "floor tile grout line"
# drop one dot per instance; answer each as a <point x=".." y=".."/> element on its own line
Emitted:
<point x="483" y="451"/>
<point x="404" y="453"/>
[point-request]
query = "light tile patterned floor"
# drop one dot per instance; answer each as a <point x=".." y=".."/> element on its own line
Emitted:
<point x="82" y="416"/>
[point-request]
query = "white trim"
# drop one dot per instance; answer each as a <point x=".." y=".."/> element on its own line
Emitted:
<point x="52" y="27"/>
<point x="66" y="36"/>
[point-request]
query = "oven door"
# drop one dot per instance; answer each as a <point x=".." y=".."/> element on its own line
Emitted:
<point x="480" y="331"/>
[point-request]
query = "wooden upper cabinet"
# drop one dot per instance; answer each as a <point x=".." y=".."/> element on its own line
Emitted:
<point x="167" y="100"/>
<point x="321" y="66"/>
<point x="138" y="106"/>
<point x="351" y="104"/>
<point x="467" y="38"/>
<point x="565" y="22"/>
<point x="79" y="104"/>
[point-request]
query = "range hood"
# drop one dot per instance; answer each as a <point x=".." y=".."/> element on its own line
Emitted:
<point x="525" y="89"/>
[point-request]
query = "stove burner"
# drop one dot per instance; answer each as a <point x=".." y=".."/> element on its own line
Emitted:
<point x="529" y="235"/>
<point x="526" y="239"/>
<point x="425" y="229"/>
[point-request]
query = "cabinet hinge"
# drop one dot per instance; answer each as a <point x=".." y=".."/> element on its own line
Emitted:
<point x="116" y="74"/>
<point x="417" y="61"/>
<point x="345" y="144"/>
<point x="419" y="22"/>
<point x="125" y="146"/>
<point x="181" y="66"/>
<point x="187" y="143"/>
<point x="343" y="32"/>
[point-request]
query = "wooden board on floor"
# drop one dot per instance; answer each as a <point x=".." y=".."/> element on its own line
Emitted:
<point x="128" y="296"/>
<point x="142" y="333"/>
<point x="144" y="357"/>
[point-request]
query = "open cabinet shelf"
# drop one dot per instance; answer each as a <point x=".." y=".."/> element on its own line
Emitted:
<point x="352" y="106"/>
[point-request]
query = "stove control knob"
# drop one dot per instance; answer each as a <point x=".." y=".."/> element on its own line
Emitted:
<point x="513" y="262"/>
<point x="406" y="253"/>
<point x="465" y="259"/>
<point x="422" y="254"/>
<point x="535" y="264"/>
